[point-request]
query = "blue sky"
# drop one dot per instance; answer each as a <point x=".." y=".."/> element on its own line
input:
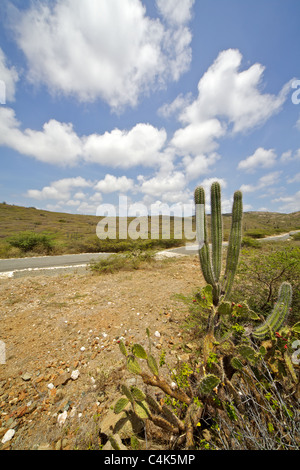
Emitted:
<point x="149" y="99"/>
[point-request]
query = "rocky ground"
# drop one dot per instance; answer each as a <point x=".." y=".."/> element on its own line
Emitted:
<point x="63" y="366"/>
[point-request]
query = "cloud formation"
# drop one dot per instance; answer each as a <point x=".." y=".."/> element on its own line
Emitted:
<point x="261" y="158"/>
<point x="105" y="49"/>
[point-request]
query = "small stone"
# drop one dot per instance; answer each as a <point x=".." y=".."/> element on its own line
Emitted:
<point x="62" y="418"/>
<point x="8" y="436"/>
<point x="82" y="349"/>
<point x="26" y="377"/>
<point x="75" y="374"/>
<point x="50" y="386"/>
<point x="157" y="334"/>
<point x="58" y="445"/>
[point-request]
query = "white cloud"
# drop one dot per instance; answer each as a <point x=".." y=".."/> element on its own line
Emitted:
<point x="294" y="179"/>
<point x="201" y="164"/>
<point x="263" y="182"/>
<point x="233" y="95"/>
<point x="198" y="137"/>
<point x="57" y="143"/>
<point x="180" y="102"/>
<point x="108" y="49"/>
<point x="9" y="76"/>
<point x="59" y="190"/>
<point x="162" y="183"/>
<point x="289" y="156"/>
<point x="176" y="11"/>
<point x="139" y="146"/>
<point x="111" y="184"/>
<point x="261" y="158"/>
<point x="290" y="203"/>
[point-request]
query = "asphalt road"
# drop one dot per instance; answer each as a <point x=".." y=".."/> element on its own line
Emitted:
<point x="18" y="267"/>
<point x="68" y="263"/>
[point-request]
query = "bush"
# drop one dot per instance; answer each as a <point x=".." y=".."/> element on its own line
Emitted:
<point x="250" y="242"/>
<point x="31" y="241"/>
<point x="126" y="261"/>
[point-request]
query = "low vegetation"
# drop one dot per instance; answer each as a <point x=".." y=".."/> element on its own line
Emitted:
<point x="241" y="389"/>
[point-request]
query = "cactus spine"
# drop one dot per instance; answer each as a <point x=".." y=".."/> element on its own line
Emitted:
<point x="278" y="315"/>
<point x="211" y="266"/>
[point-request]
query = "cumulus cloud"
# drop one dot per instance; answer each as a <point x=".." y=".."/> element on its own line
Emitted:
<point x="161" y="184"/>
<point x="176" y="11"/>
<point x="57" y="143"/>
<point x="263" y="182"/>
<point x="180" y="102"/>
<point x="261" y="158"/>
<point x="226" y="92"/>
<point x="112" y="183"/>
<point x="59" y="190"/>
<point x="9" y="77"/>
<point x="108" y="49"/>
<point x="141" y="145"/>
<point x="198" y="137"/>
<point x="201" y="164"/>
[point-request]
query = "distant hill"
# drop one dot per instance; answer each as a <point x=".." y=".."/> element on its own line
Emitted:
<point x="74" y="233"/>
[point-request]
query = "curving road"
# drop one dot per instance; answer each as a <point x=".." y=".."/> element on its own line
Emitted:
<point x="19" y="267"/>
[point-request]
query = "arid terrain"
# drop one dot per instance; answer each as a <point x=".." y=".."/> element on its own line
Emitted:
<point x="63" y="365"/>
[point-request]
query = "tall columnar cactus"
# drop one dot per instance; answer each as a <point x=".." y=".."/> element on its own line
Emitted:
<point x="278" y="315"/>
<point x="211" y="265"/>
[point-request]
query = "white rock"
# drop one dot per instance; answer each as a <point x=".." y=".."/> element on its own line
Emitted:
<point x="82" y="349"/>
<point x="8" y="436"/>
<point x="157" y="334"/>
<point x="62" y="418"/>
<point x="75" y="374"/>
<point x="50" y="386"/>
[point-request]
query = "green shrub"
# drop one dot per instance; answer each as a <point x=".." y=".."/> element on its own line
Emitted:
<point x="250" y="242"/>
<point x="256" y="233"/>
<point x="31" y="241"/>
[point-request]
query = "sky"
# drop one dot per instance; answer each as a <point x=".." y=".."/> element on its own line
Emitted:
<point x="143" y="100"/>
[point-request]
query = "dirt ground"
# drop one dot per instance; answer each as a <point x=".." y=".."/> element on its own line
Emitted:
<point x="63" y="366"/>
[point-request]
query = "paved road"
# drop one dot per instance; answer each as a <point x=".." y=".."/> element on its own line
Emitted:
<point x="41" y="264"/>
<point x="68" y="263"/>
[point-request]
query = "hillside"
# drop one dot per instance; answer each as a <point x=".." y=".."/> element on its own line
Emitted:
<point x="72" y="233"/>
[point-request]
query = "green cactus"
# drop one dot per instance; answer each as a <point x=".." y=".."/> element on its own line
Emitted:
<point x="211" y="266"/>
<point x="208" y="383"/>
<point x="278" y="315"/>
<point x="234" y="244"/>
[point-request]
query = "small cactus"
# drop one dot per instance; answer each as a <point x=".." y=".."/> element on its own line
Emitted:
<point x="208" y="383"/>
<point x="278" y="315"/>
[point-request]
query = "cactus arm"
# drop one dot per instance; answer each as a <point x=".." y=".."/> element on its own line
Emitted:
<point x="234" y="244"/>
<point x="278" y="315"/>
<point x="217" y="231"/>
<point x="204" y="254"/>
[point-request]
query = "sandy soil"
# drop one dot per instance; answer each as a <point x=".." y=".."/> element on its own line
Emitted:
<point x="54" y="325"/>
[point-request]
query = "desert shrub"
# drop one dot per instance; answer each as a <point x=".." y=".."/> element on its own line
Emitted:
<point x="126" y="261"/>
<point x="31" y="241"/>
<point x="248" y="241"/>
<point x="256" y="233"/>
<point x="296" y="236"/>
